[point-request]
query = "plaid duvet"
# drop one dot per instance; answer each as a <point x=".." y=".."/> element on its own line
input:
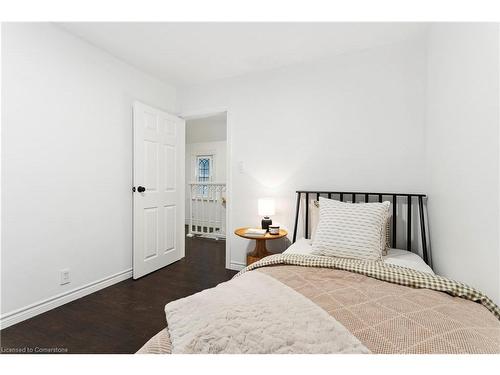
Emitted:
<point x="384" y="272"/>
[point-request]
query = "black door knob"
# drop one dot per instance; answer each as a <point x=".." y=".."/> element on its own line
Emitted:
<point x="141" y="189"/>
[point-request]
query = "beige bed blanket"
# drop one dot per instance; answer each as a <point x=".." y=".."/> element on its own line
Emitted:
<point x="385" y="317"/>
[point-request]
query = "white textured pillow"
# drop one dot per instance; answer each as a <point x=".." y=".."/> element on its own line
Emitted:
<point x="314" y="220"/>
<point x="351" y="230"/>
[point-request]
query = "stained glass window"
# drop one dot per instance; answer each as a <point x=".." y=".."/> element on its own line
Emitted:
<point x="204" y="173"/>
<point x="203" y="169"/>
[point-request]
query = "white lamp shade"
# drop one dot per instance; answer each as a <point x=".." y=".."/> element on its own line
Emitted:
<point x="266" y="207"/>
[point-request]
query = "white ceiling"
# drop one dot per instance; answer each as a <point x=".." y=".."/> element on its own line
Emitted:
<point x="194" y="53"/>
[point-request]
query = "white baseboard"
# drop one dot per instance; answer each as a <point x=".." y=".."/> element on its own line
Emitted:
<point x="37" y="308"/>
<point x="237" y="266"/>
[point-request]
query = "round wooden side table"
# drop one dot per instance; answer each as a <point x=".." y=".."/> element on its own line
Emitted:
<point x="260" y="250"/>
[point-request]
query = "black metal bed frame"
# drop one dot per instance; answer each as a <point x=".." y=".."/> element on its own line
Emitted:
<point x="354" y="195"/>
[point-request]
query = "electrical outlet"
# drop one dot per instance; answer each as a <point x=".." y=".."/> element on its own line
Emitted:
<point x="65" y="276"/>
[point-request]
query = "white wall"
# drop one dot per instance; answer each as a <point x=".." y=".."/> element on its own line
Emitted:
<point x="462" y="140"/>
<point x="206" y="129"/>
<point x="66" y="162"/>
<point x="355" y="121"/>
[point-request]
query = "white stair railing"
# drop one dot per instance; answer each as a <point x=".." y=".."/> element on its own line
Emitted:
<point x="207" y="209"/>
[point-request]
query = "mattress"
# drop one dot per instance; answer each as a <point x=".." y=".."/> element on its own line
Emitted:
<point x="397" y="257"/>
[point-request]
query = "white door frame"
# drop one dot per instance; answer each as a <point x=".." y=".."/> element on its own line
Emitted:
<point x="190" y="115"/>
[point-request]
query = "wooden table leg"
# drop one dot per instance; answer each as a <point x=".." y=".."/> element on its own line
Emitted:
<point x="259" y="252"/>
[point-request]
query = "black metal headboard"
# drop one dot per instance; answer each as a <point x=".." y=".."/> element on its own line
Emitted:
<point x="359" y="197"/>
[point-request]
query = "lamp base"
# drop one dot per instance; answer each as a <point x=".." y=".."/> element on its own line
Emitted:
<point x="266" y="222"/>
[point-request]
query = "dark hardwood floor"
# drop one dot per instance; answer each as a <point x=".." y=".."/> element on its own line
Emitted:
<point x="122" y="317"/>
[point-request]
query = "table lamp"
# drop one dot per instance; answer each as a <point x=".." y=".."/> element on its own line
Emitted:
<point x="266" y="209"/>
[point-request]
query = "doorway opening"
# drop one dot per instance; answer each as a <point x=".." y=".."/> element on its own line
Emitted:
<point x="206" y="203"/>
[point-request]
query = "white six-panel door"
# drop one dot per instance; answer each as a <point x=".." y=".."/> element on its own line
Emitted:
<point x="159" y="167"/>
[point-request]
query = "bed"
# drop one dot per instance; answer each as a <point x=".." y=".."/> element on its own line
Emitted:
<point x="298" y="302"/>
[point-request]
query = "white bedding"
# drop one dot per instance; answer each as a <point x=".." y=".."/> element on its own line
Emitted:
<point x="394" y="256"/>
